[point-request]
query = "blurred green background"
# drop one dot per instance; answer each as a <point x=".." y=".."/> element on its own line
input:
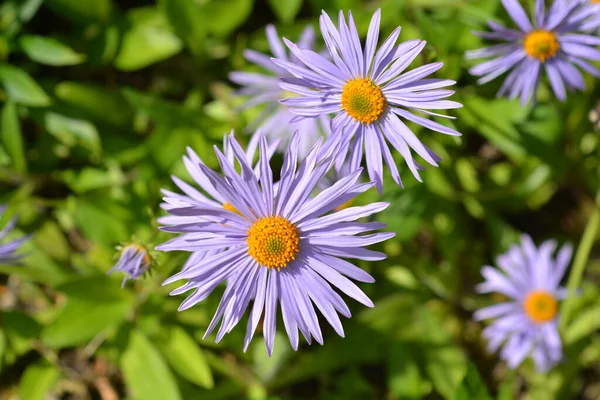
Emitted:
<point x="99" y="99"/>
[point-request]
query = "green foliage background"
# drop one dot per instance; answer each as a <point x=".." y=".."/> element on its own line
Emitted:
<point x="99" y="99"/>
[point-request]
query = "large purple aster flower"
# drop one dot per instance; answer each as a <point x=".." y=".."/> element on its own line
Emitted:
<point x="277" y="248"/>
<point x="370" y="93"/>
<point x="8" y="250"/>
<point x="276" y="121"/>
<point x="555" y="41"/>
<point x="527" y="323"/>
<point x="134" y="261"/>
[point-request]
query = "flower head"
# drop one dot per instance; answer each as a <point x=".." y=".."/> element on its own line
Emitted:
<point x="527" y="323"/>
<point x="134" y="261"/>
<point x="8" y="250"/>
<point x="281" y="248"/>
<point x="370" y="94"/>
<point x="555" y="41"/>
<point x="263" y="88"/>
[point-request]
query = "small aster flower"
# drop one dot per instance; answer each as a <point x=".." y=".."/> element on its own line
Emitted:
<point x="555" y="41"/>
<point x="8" y="250"/>
<point x="370" y="94"/>
<point x="280" y="248"/>
<point x="276" y="121"/>
<point x="527" y="323"/>
<point x="134" y="261"/>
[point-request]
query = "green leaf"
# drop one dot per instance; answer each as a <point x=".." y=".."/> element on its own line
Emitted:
<point x="185" y="17"/>
<point x="38" y="380"/>
<point x="21" y="330"/>
<point x="285" y="10"/>
<point x="145" y="372"/>
<point x="81" y="320"/>
<point x="226" y="15"/>
<point x="186" y="357"/>
<point x="147" y="40"/>
<point x="98" y="288"/>
<point x="82" y="12"/>
<point x="72" y="131"/>
<point x="584" y="324"/>
<point x="96" y="102"/>
<point x="101" y="221"/>
<point x="404" y="378"/>
<point x="21" y="88"/>
<point x="472" y="387"/>
<point x="49" y="51"/>
<point x="11" y="136"/>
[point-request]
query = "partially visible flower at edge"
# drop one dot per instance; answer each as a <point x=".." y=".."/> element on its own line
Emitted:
<point x="527" y="323"/>
<point x="8" y="250"/>
<point x="370" y="94"/>
<point x="556" y="41"/>
<point x="134" y="261"/>
<point x="276" y="121"/>
<point x="279" y="248"/>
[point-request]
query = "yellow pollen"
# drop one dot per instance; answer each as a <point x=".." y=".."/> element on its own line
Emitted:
<point x="541" y="45"/>
<point x="363" y="100"/>
<point x="273" y="242"/>
<point x="229" y="207"/>
<point x="540" y="306"/>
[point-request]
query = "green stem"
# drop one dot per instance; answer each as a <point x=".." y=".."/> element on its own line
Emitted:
<point x="580" y="262"/>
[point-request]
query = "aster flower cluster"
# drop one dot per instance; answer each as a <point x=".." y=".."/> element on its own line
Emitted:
<point x="285" y="239"/>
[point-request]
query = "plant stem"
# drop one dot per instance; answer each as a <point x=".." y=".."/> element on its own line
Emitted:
<point x="580" y="262"/>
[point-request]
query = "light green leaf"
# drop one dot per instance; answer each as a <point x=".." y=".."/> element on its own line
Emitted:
<point x="186" y="357"/>
<point x="81" y="320"/>
<point x="71" y="131"/>
<point x="21" y="330"/>
<point x="97" y="288"/>
<point x="285" y="10"/>
<point x="584" y="324"/>
<point x="38" y="380"/>
<point x="21" y="88"/>
<point x="404" y="378"/>
<point x="48" y="51"/>
<point x="145" y="372"/>
<point x="226" y="15"/>
<point x="11" y="136"/>
<point x="148" y="39"/>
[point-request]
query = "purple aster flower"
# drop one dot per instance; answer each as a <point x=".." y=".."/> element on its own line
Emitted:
<point x="276" y="121"/>
<point x="134" y="261"/>
<point x="282" y="248"/>
<point x="8" y="250"/>
<point x="527" y="323"/>
<point x="370" y="94"/>
<point x="193" y="196"/>
<point x="555" y="41"/>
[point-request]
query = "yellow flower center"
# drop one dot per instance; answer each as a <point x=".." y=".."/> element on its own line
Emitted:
<point x="541" y="45"/>
<point x="363" y="100"/>
<point x="229" y="207"/>
<point x="273" y="242"/>
<point x="540" y="306"/>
